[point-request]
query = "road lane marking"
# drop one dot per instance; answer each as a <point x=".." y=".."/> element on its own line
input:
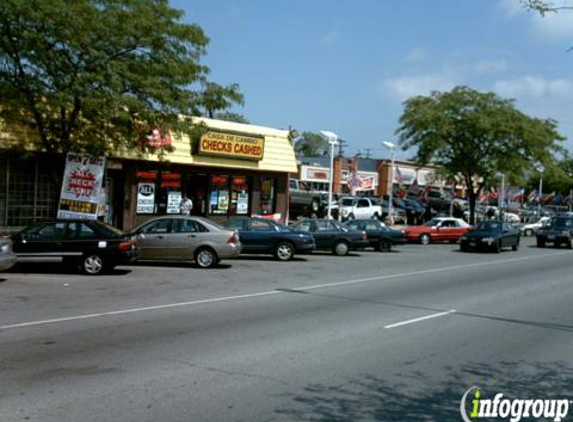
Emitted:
<point x="274" y="292"/>
<point x="424" y="318"/>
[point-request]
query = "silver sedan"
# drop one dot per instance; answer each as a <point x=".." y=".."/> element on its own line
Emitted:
<point x="7" y="257"/>
<point x="186" y="238"/>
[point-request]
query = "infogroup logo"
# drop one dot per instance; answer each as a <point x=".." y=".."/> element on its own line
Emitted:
<point x="513" y="410"/>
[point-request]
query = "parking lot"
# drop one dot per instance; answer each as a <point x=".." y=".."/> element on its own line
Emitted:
<point x="256" y="339"/>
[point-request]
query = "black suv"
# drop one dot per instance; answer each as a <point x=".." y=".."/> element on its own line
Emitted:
<point x="558" y="231"/>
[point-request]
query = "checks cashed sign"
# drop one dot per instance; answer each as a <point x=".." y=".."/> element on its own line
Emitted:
<point x="81" y="187"/>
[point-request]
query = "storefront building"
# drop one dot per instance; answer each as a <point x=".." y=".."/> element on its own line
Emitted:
<point x="234" y="169"/>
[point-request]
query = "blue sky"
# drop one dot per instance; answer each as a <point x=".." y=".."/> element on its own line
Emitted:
<point x="347" y="65"/>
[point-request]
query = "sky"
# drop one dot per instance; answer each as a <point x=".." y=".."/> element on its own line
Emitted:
<point x="347" y="65"/>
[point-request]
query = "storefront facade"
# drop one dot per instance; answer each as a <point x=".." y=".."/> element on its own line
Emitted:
<point x="234" y="169"/>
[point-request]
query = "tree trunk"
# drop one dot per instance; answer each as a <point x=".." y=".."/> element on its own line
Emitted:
<point x="472" y="196"/>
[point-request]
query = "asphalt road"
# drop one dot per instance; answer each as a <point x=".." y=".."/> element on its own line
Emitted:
<point x="370" y="337"/>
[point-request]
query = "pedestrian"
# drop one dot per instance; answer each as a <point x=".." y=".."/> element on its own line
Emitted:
<point x="186" y="205"/>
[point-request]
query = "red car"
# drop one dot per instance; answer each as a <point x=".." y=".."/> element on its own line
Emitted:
<point x="437" y="230"/>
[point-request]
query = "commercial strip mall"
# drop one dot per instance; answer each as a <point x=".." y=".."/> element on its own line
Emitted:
<point x="235" y="169"/>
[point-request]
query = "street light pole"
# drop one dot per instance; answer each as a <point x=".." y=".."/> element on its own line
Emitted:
<point x="332" y="139"/>
<point x="391" y="147"/>
<point x="540" y="170"/>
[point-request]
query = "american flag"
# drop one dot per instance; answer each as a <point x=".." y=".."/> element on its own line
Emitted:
<point x="355" y="180"/>
<point x="398" y="175"/>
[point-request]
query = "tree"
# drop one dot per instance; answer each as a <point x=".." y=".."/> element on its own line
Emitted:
<point x="476" y="135"/>
<point x="231" y="117"/>
<point x="312" y="145"/>
<point x="97" y="75"/>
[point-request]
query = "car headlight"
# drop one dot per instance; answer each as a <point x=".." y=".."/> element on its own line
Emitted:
<point x="488" y="240"/>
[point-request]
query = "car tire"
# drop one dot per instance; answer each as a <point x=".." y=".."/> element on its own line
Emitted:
<point x="376" y="216"/>
<point x="528" y="232"/>
<point x="206" y="257"/>
<point x="341" y="248"/>
<point x="497" y="247"/>
<point x="425" y="239"/>
<point x="350" y="217"/>
<point x="540" y="242"/>
<point x="384" y="246"/>
<point x="515" y="247"/>
<point x="93" y="264"/>
<point x="284" y="251"/>
<point x="569" y="244"/>
<point x="463" y="248"/>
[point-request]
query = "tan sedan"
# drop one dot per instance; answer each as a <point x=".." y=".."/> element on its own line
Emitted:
<point x="186" y="238"/>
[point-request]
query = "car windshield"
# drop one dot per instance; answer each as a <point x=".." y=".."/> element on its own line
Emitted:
<point x="489" y="226"/>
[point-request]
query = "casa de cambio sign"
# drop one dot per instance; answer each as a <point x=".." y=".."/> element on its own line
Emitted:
<point x="232" y="145"/>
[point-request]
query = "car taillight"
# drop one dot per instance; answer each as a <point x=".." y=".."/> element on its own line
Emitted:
<point x="364" y="236"/>
<point x="125" y="246"/>
<point x="233" y="239"/>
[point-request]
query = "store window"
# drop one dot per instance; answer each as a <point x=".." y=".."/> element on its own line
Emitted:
<point x="239" y="196"/>
<point x="267" y="202"/>
<point x="158" y="192"/>
<point x="219" y="195"/>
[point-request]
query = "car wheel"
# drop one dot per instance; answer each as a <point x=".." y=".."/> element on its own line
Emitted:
<point x="205" y="257"/>
<point x="384" y="246"/>
<point x="515" y="247"/>
<point x="284" y="251"/>
<point x="376" y="216"/>
<point x="569" y="244"/>
<point x="350" y="217"/>
<point x="540" y="242"/>
<point x="93" y="265"/>
<point x="528" y="232"/>
<point x="341" y="248"/>
<point x="425" y="239"/>
<point x="497" y="247"/>
<point x="463" y="248"/>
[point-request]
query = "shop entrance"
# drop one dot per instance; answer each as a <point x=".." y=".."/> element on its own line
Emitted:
<point x="196" y="186"/>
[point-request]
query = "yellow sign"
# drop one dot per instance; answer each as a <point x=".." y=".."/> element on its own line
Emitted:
<point x="232" y="145"/>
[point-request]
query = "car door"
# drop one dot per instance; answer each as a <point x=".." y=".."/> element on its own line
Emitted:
<point x="509" y="234"/>
<point x="363" y="208"/>
<point x="261" y="236"/>
<point x="185" y="237"/>
<point x="153" y="239"/>
<point x="323" y="234"/>
<point x="448" y="230"/>
<point x="79" y="239"/>
<point x="42" y="243"/>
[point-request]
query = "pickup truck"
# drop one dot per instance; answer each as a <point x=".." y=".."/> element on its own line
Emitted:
<point x="558" y="231"/>
<point x="306" y="201"/>
<point x="352" y="208"/>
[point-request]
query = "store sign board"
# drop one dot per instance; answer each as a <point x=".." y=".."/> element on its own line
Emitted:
<point x="81" y="187"/>
<point x="405" y="175"/>
<point x="173" y="202"/>
<point x="426" y="177"/>
<point x="145" y="198"/>
<point x="315" y="174"/>
<point x="232" y="145"/>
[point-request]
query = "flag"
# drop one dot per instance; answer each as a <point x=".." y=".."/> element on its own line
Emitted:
<point x="484" y="196"/>
<point x="548" y="200"/>
<point x="531" y="197"/>
<point x="519" y="196"/>
<point x="355" y="180"/>
<point x="414" y="189"/>
<point x="494" y="194"/>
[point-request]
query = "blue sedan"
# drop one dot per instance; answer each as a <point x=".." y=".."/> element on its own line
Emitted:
<point x="262" y="236"/>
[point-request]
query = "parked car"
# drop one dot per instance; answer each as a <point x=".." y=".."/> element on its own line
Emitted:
<point x="437" y="230"/>
<point x="352" y="208"/>
<point x="380" y="236"/>
<point x="558" y="231"/>
<point x="93" y="246"/>
<point x="186" y="238"/>
<point x="7" y="256"/>
<point x="491" y="235"/>
<point x="332" y="235"/>
<point x="531" y="228"/>
<point x="262" y="236"/>
<point x="306" y="200"/>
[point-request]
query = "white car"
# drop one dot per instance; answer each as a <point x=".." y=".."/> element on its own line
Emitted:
<point x="7" y="256"/>
<point x="531" y="228"/>
<point x="510" y="217"/>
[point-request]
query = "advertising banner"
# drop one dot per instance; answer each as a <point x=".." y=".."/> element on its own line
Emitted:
<point x="81" y="187"/>
<point x="145" y="198"/>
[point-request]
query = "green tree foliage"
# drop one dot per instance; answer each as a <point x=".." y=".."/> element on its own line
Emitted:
<point x="96" y="75"/>
<point x="231" y="117"/>
<point x="312" y="145"/>
<point x="476" y="135"/>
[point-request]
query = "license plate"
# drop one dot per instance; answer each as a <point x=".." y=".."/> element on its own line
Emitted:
<point x="473" y="244"/>
<point x="550" y="237"/>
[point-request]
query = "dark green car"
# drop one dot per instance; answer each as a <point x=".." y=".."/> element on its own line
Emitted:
<point x="491" y="235"/>
<point x="380" y="236"/>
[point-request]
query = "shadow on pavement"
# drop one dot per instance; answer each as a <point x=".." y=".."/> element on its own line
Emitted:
<point x="56" y="268"/>
<point x="254" y="257"/>
<point x="417" y="397"/>
<point x="185" y="264"/>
